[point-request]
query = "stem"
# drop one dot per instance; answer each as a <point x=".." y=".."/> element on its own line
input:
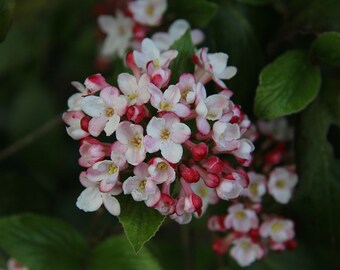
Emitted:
<point x="187" y="247"/>
<point x="29" y="138"/>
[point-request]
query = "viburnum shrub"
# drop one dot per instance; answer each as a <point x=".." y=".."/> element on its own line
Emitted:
<point x="169" y="135"/>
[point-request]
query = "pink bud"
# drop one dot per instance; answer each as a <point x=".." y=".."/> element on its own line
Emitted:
<point x="84" y="123"/>
<point x="212" y="180"/>
<point x="291" y="244"/>
<point x="136" y="113"/>
<point x="214" y="164"/>
<point x="190" y="175"/>
<point x="139" y="32"/>
<point x="197" y="202"/>
<point x="219" y="246"/>
<point x="199" y="151"/>
<point x="130" y="62"/>
<point x="95" y="82"/>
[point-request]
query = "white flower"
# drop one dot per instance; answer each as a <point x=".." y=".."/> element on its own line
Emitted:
<point x="226" y="136"/>
<point x="281" y="184"/>
<point x="104" y="110"/>
<point x="119" y="34"/>
<point x="92" y="197"/>
<point x="168" y="101"/>
<point x="245" y="251"/>
<point x="148" y="12"/>
<point x="176" y="30"/>
<point x="151" y="53"/>
<point x="13" y="264"/>
<point x="141" y="186"/>
<point x="73" y="120"/>
<point x="167" y="134"/>
<point x="279" y="230"/>
<point x="231" y="186"/>
<point x="213" y="66"/>
<point x="256" y="188"/>
<point x="278" y="128"/>
<point x="241" y="219"/>
<point x="135" y="93"/>
<point x="131" y="136"/>
<point x="208" y="195"/>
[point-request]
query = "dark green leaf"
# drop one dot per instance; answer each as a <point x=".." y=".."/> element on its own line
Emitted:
<point x="198" y="12"/>
<point x="318" y="194"/>
<point x="140" y="222"/>
<point x="231" y="32"/>
<point x="183" y="62"/>
<point x="256" y="2"/>
<point x="313" y="15"/>
<point x="287" y="85"/>
<point x="116" y="253"/>
<point x="42" y="243"/>
<point x="327" y="48"/>
<point x="6" y="13"/>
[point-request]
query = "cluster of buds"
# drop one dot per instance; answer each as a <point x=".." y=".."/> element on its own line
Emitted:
<point x="132" y="22"/>
<point x="248" y="232"/>
<point x="159" y="131"/>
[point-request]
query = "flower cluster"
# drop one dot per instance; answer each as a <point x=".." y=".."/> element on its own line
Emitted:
<point x="166" y="139"/>
<point x="131" y="23"/>
<point x="249" y="230"/>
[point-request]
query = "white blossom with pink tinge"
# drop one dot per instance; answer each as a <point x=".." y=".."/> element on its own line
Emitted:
<point x="92" y="151"/>
<point x="167" y="134"/>
<point x="245" y="252"/>
<point x="226" y="136"/>
<point x="119" y="33"/>
<point x="187" y="87"/>
<point x="168" y="100"/>
<point x="256" y="188"/>
<point x="73" y="120"/>
<point x="213" y="66"/>
<point x="93" y="197"/>
<point x="231" y="186"/>
<point x="149" y="52"/>
<point x="208" y="108"/>
<point x="107" y="171"/>
<point x="177" y="29"/>
<point x="281" y="184"/>
<point x="135" y="92"/>
<point x="131" y="138"/>
<point x="161" y="171"/>
<point x="241" y="219"/>
<point x="105" y="111"/>
<point x="148" y="12"/>
<point x="141" y="186"/>
<point x="279" y="230"/>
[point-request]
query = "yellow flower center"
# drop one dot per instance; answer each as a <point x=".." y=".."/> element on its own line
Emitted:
<point x="109" y="112"/>
<point x="253" y="189"/>
<point x="136" y="141"/>
<point x="240" y="214"/>
<point x="149" y="10"/>
<point x="132" y="96"/>
<point x="162" y="166"/>
<point x="185" y="93"/>
<point x="142" y="184"/>
<point x="112" y="169"/>
<point x="276" y="227"/>
<point x="280" y="184"/>
<point x="203" y="192"/>
<point x="165" y="106"/>
<point x="245" y="245"/>
<point x="165" y="134"/>
<point x="156" y="63"/>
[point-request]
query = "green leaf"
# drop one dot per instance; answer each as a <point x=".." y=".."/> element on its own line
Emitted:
<point x="255" y="2"/>
<point x="140" y="222"/>
<point x="318" y="194"/>
<point x="232" y="33"/>
<point x="198" y="12"/>
<point x="327" y="48"/>
<point x="6" y="13"/>
<point x="313" y="16"/>
<point x="183" y="62"/>
<point x="287" y="85"/>
<point x="116" y="253"/>
<point x="42" y="243"/>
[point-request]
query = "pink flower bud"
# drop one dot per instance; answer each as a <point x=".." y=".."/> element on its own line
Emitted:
<point x="219" y="246"/>
<point x="214" y="165"/>
<point x="199" y="151"/>
<point x="197" y="202"/>
<point x="95" y="82"/>
<point x="136" y="113"/>
<point x="84" y="123"/>
<point x="190" y="175"/>
<point x="139" y="32"/>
